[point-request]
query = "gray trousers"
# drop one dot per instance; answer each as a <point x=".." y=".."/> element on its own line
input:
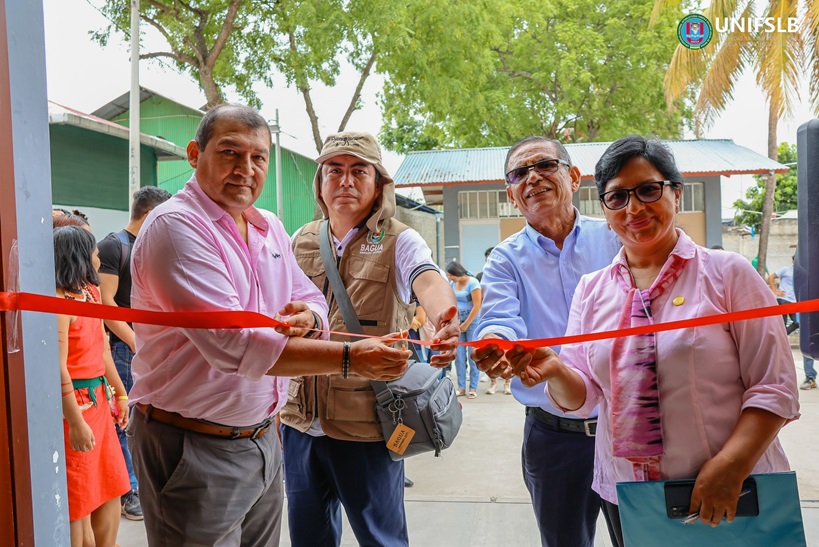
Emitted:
<point x="201" y="490"/>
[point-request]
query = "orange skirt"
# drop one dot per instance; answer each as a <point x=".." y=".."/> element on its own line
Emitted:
<point x="100" y="475"/>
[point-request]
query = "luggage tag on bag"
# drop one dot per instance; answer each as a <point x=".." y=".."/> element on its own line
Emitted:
<point x="400" y="438"/>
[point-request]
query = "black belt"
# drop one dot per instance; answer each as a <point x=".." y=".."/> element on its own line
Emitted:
<point x="587" y="427"/>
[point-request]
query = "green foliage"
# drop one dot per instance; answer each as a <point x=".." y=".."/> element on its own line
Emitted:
<point x="215" y="41"/>
<point x="750" y="209"/>
<point x="498" y="70"/>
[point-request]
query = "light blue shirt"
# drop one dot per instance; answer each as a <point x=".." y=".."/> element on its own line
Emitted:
<point x="528" y="285"/>
<point x="785" y="276"/>
<point x="464" y="297"/>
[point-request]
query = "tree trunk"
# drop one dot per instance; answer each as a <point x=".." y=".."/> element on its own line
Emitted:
<point x="357" y="93"/>
<point x="212" y="92"/>
<point x="768" y="201"/>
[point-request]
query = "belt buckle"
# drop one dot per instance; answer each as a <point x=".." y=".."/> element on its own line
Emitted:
<point x="261" y="429"/>
<point x="587" y="427"/>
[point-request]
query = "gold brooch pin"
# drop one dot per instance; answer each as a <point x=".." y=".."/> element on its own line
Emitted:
<point x="678" y="300"/>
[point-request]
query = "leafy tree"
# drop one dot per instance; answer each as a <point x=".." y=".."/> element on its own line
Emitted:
<point x="238" y="43"/>
<point x="749" y="210"/>
<point x="576" y="70"/>
<point x="777" y="58"/>
<point x="211" y="40"/>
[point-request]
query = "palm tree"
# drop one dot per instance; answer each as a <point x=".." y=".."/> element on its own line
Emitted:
<point x="777" y="58"/>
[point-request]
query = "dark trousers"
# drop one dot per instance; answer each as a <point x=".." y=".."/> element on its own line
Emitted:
<point x="198" y="490"/>
<point x="123" y="356"/>
<point x="321" y="474"/>
<point x="794" y="324"/>
<point x="558" y="467"/>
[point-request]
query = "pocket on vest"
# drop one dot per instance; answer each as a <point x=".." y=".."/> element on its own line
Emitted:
<point x="368" y="289"/>
<point x="351" y="403"/>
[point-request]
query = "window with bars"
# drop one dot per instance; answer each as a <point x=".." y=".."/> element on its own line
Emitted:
<point x="693" y="198"/>
<point x="478" y="204"/>
<point x="589" y="203"/>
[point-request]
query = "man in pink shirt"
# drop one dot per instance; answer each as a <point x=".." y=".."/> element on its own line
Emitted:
<point x="209" y="467"/>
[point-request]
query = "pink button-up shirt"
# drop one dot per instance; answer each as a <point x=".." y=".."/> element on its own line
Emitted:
<point x="189" y="256"/>
<point x="707" y="375"/>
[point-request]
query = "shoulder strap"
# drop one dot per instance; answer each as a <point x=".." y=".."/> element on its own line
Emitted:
<point x="336" y="283"/>
<point x="125" y="254"/>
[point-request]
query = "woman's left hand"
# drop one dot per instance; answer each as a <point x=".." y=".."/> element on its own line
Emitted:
<point x="716" y="490"/>
<point x="122" y="417"/>
<point x="464" y="327"/>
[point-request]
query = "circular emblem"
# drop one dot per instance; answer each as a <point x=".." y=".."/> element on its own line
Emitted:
<point x="695" y="31"/>
<point x="373" y="238"/>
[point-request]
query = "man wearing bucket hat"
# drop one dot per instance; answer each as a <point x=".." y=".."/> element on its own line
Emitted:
<point x="334" y="451"/>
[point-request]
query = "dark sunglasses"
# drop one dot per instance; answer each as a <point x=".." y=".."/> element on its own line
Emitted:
<point x="543" y="167"/>
<point x="647" y="192"/>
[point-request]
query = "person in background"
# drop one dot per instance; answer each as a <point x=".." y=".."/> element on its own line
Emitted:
<point x="468" y="294"/>
<point x="785" y="293"/>
<point x="60" y="218"/>
<point x="95" y="468"/>
<point x="705" y="402"/>
<point x="115" y="288"/>
<point x="486" y="254"/>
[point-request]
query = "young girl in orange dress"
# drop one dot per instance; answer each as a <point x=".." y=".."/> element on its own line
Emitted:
<point x="95" y="467"/>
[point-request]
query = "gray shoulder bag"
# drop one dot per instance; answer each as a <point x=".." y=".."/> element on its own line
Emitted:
<point x="419" y="399"/>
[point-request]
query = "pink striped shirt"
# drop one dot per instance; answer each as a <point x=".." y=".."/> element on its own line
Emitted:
<point x="189" y="256"/>
<point x="706" y="375"/>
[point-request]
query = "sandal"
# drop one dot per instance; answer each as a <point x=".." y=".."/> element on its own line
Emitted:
<point x="460" y="392"/>
<point x="472" y="394"/>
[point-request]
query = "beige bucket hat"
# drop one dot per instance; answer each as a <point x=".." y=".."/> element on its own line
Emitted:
<point x="365" y="147"/>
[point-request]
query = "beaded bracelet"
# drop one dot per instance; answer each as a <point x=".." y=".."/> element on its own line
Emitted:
<point x="122" y="397"/>
<point x="345" y="361"/>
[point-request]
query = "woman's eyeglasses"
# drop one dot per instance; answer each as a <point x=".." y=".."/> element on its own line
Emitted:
<point x="647" y="192"/>
<point x="543" y="167"/>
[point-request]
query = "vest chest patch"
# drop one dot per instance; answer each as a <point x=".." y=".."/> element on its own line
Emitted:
<point x="369" y="249"/>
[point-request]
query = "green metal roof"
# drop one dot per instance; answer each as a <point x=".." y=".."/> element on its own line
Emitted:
<point x="62" y="115"/>
<point x="122" y="104"/>
<point x="708" y="157"/>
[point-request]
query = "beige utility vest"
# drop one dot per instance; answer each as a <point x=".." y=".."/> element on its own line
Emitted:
<point x="346" y="407"/>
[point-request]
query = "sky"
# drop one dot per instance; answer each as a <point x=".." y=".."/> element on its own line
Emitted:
<point x="84" y="76"/>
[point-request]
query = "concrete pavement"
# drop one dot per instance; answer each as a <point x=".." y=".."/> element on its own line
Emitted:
<point x="474" y="495"/>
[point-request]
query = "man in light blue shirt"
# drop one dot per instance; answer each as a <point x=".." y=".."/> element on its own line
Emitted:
<point x="785" y="293"/>
<point x="528" y="284"/>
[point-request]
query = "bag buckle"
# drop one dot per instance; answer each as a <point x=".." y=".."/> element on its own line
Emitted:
<point x="590" y="427"/>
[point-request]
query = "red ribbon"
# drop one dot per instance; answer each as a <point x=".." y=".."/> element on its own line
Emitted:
<point x="10" y="301"/>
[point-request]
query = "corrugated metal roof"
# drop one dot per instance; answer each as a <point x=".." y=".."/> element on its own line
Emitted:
<point x="122" y="104"/>
<point x="694" y="157"/>
<point x="59" y="114"/>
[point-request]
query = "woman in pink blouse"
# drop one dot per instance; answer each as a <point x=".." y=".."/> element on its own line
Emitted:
<point x="706" y="402"/>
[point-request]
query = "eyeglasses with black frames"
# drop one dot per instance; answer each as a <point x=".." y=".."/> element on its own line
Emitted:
<point x="647" y="192"/>
<point x="543" y="167"/>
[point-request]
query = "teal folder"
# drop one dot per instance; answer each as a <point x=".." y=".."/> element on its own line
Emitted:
<point x="779" y="524"/>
